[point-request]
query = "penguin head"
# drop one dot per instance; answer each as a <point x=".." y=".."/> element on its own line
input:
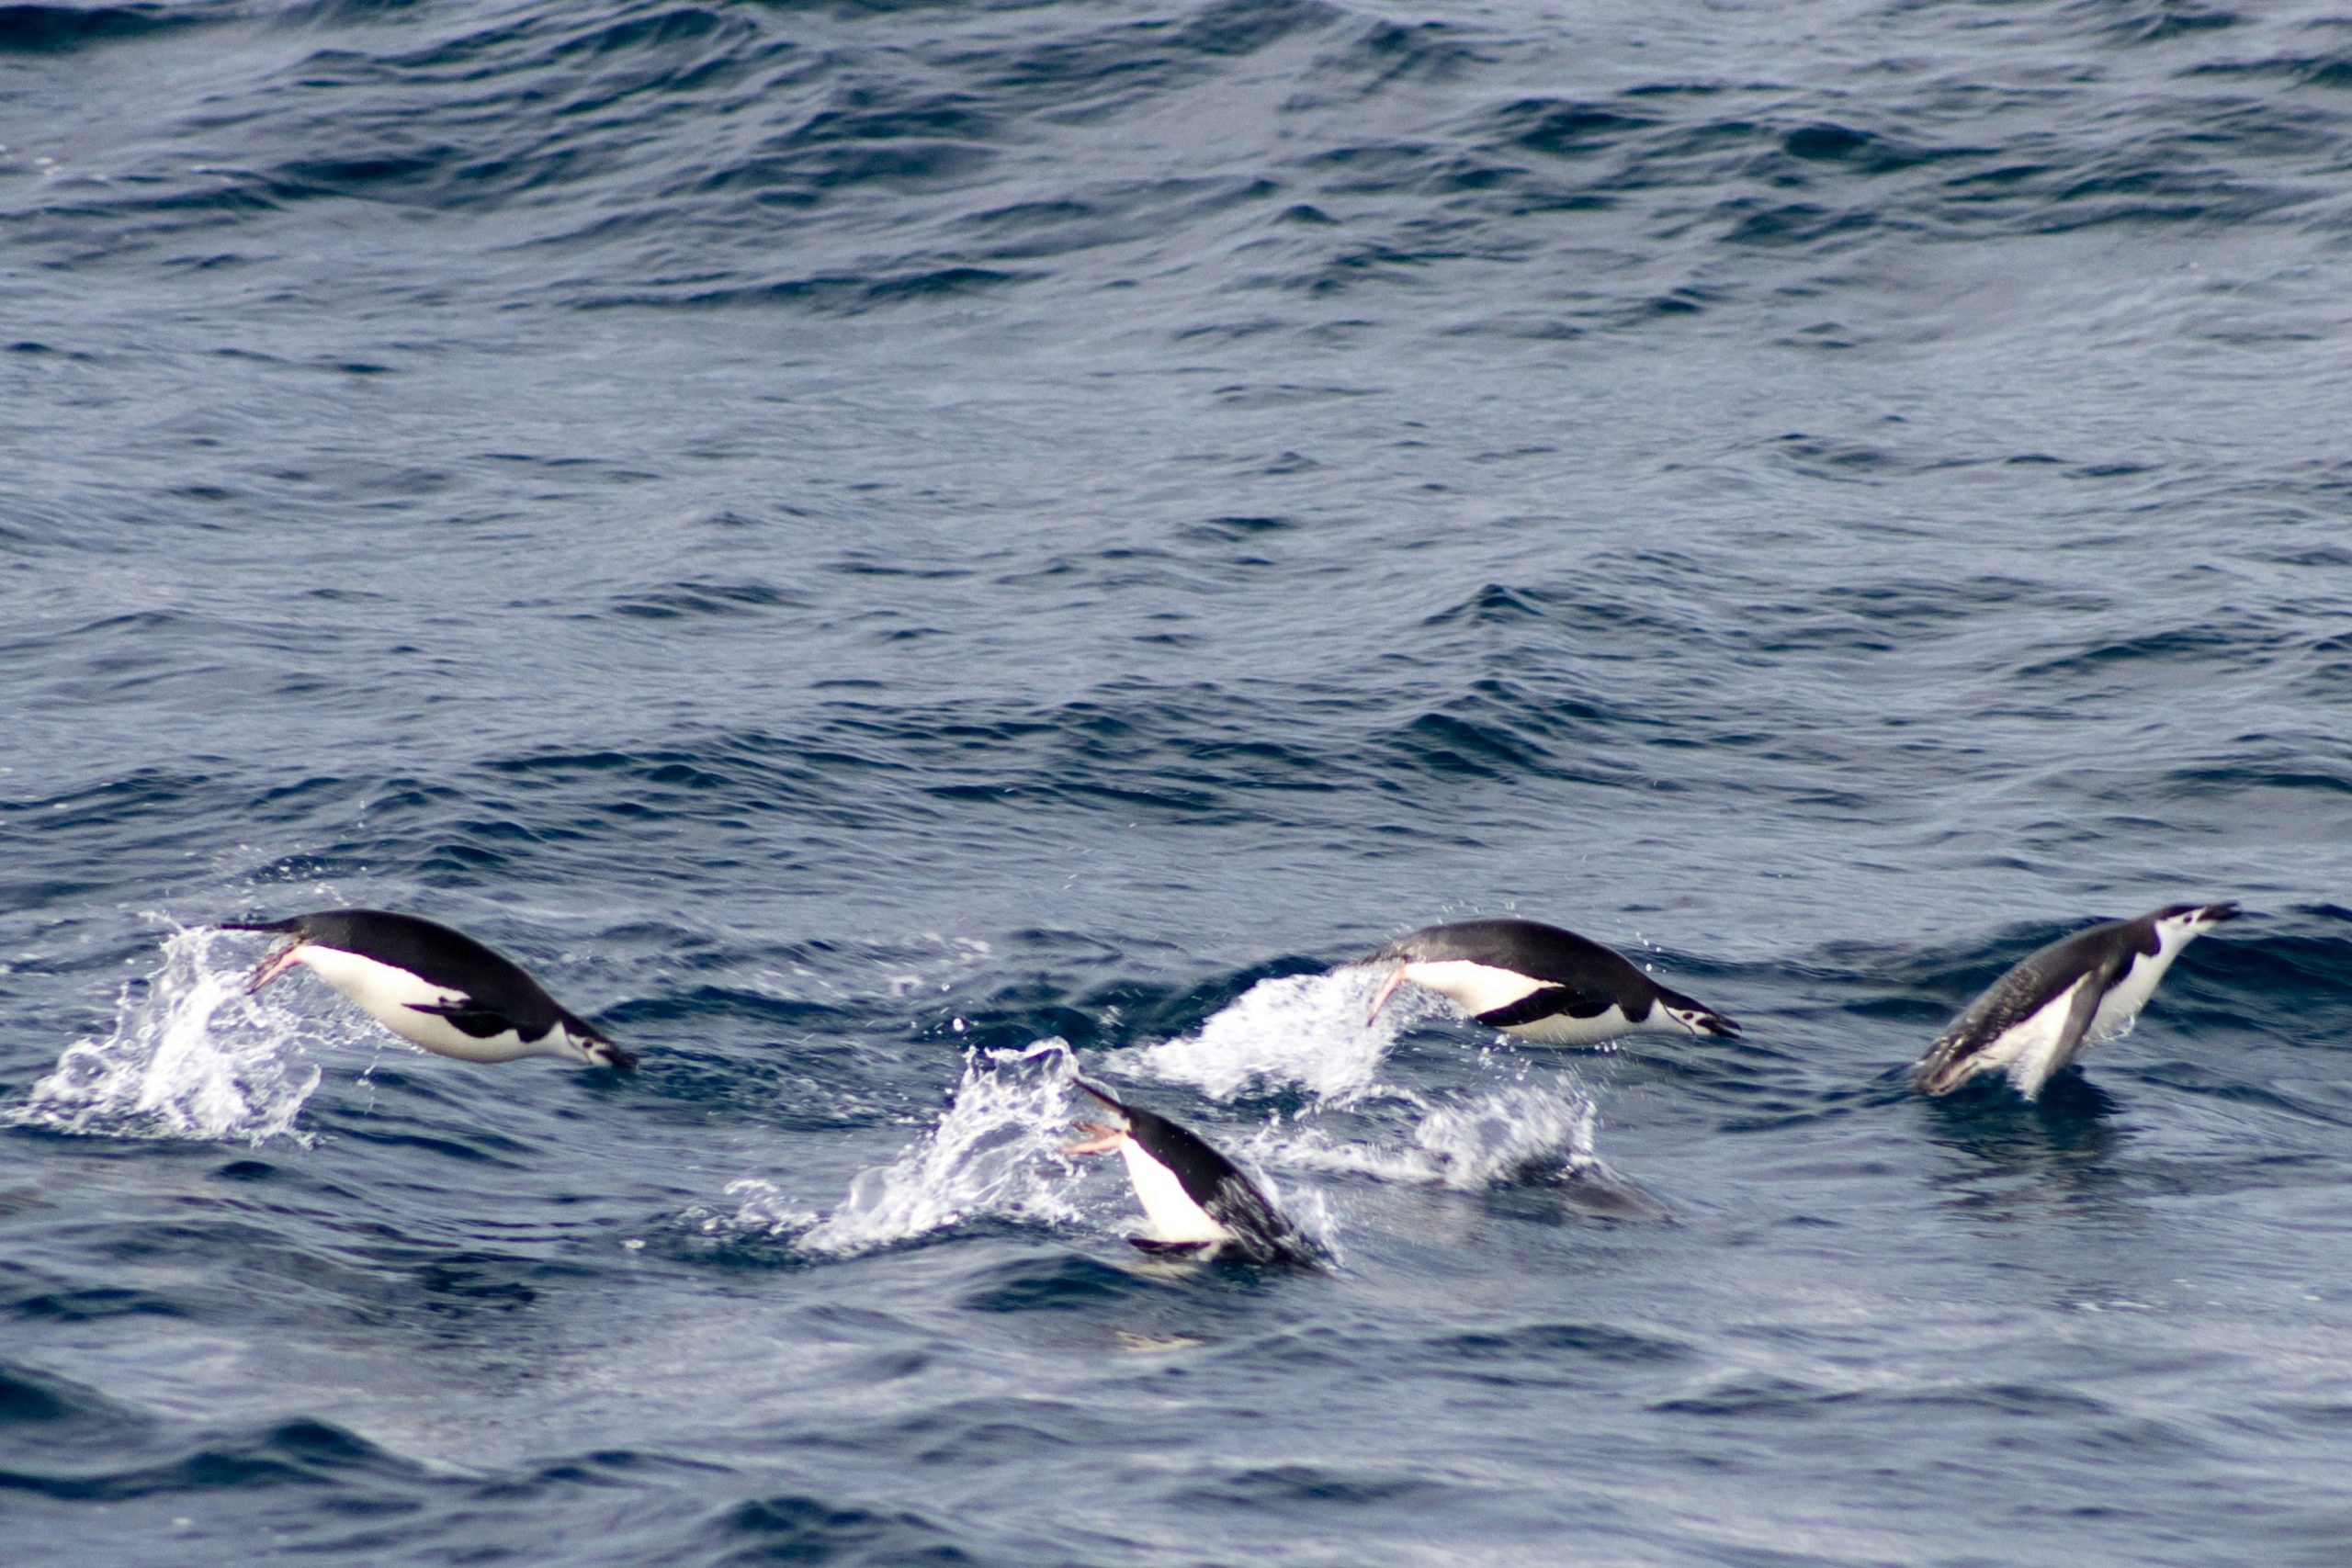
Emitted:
<point x="1698" y="1019"/>
<point x="2175" y="926"/>
<point x="593" y="1048"/>
<point x="2199" y="917"/>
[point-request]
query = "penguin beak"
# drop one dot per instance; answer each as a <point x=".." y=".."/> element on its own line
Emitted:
<point x="1098" y="1139"/>
<point x="1387" y="989"/>
<point x="2215" y="914"/>
<point x="605" y="1053"/>
<point x="270" y="968"/>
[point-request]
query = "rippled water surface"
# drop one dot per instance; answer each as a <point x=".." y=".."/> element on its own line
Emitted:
<point x="879" y="548"/>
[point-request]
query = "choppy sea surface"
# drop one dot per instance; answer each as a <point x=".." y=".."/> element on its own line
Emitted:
<point x="884" y="548"/>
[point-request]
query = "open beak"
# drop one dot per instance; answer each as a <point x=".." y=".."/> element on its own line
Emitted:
<point x="1098" y="1139"/>
<point x="1387" y="989"/>
<point x="270" y="968"/>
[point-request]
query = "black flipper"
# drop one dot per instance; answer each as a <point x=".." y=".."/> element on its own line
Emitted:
<point x="2088" y="994"/>
<point x="1171" y="1249"/>
<point x="1549" y="1002"/>
<point x="470" y="1016"/>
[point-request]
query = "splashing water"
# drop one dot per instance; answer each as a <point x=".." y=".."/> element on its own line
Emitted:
<point x="1508" y="1136"/>
<point x="763" y="1209"/>
<point x="1310" y="1210"/>
<point x="1522" y="1132"/>
<point x="993" y="1156"/>
<point x="1302" y="1029"/>
<point x="191" y="1057"/>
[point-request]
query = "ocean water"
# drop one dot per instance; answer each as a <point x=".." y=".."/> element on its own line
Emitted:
<point x="882" y="550"/>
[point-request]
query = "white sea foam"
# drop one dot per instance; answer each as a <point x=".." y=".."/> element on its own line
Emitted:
<point x="762" y="1206"/>
<point x="993" y="1156"/>
<point x="1504" y="1135"/>
<point x="191" y="1057"/>
<point x="1508" y="1134"/>
<point x="1302" y="1029"/>
<point x="1309" y="1029"/>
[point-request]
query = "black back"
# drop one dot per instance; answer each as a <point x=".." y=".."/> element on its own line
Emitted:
<point x="492" y="987"/>
<point x="2103" y="951"/>
<point x="1588" y="977"/>
<point x="1529" y="948"/>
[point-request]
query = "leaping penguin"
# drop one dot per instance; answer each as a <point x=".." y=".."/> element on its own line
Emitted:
<point x="432" y="986"/>
<point x="2062" y="1001"/>
<point x="1197" y="1200"/>
<point x="1540" y="983"/>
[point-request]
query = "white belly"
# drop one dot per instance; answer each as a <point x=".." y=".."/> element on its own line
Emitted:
<point x="1480" y="988"/>
<point x="2121" y="1006"/>
<point x="2027" y="1050"/>
<point x="1173" y="1215"/>
<point x="385" y="994"/>
<point x="1473" y="988"/>
<point x="1608" y="1024"/>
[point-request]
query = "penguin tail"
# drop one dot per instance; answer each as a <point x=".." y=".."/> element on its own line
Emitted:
<point x="1103" y="1095"/>
<point x="1944" y="1068"/>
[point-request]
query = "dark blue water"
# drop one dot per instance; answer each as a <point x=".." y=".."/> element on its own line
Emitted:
<point x="860" y="541"/>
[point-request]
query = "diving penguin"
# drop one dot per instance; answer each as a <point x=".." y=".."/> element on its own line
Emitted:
<point x="2062" y="999"/>
<point x="1197" y="1200"/>
<point x="432" y="986"/>
<point x="1540" y="984"/>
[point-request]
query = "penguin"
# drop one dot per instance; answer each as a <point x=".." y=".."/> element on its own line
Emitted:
<point x="432" y="986"/>
<point x="1197" y="1200"/>
<point x="2062" y="1001"/>
<point x="1540" y="984"/>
